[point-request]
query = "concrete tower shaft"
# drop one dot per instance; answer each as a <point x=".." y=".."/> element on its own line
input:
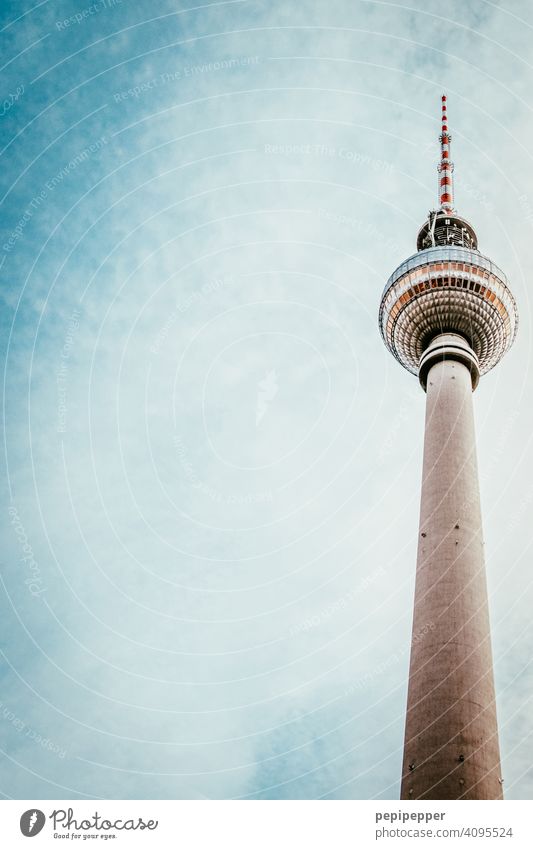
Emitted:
<point x="447" y="314"/>
<point x="451" y="741"/>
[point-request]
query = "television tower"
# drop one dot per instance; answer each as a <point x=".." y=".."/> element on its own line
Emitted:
<point x="448" y="316"/>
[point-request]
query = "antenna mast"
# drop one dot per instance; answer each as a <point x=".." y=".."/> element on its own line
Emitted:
<point x="445" y="166"/>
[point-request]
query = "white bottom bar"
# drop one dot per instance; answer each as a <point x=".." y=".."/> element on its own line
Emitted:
<point x="267" y="824"/>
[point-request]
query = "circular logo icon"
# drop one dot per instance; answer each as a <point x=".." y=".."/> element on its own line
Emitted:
<point x="32" y="822"/>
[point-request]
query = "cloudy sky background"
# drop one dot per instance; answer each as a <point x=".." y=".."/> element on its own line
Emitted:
<point x="213" y="465"/>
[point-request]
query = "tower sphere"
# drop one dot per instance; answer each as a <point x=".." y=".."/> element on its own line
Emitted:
<point x="448" y="289"/>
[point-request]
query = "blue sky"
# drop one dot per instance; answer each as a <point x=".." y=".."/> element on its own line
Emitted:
<point x="213" y="465"/>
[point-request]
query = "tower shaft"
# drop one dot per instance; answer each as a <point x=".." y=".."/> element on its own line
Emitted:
<point x="451" y="739"/>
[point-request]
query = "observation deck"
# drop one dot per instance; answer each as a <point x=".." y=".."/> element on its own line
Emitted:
<point x="448" y="289"/>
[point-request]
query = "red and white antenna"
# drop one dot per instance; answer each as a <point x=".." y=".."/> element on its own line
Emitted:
<point x="445" y="166"/>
